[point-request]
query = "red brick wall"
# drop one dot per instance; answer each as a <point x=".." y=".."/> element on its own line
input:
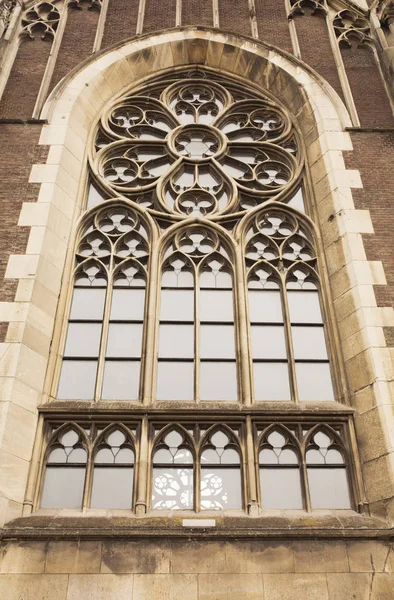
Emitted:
<point x="159" y="14"/>
<point x="121" y="21"/>
<point x="315" y="47"/>
<point x="24" y="83"/>
<point x="198" y="12"/>
<point x="18" y="152"/>
<point x="367" y="87"/>
<point x="273" y="24"/>
<point x="234" y="16"/>
<point x="77" y="42"/>
<point x="373" y="155"/>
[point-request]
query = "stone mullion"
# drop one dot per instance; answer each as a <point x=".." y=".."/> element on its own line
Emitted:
<point x="215" y="10"/>
<point x="197" y="336"/>
<point x="104" y="333"/>
<point x="293" y="30"/>
<point x="243" y="363"/>
<point x="253" y="19"/>
<point x="148" y="356"/>
<point x="36" y="468"/>
<point x="141" y="16"/>
<point x="178" y="13"/>
<point x="100" y="26"/>
<point x="142" y="471"/>
<point x="250" y="475"/>
<point x="289" y="339"/>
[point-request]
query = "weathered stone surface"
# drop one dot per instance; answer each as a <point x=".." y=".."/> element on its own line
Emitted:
<point x="368" y="556"/>
<point x="165" y="587"/>
<point x="354" y="586"/>
<point x="320" y="557"/>
<point x="34" y="587"/>
<point x="382" y="587"/>
<point x="311" y="586"/>
<point x="259" y="557"/>
<point x="198" y="557"/>
<point x="73" y="557"/>
<point x="135" y="557"/>
<point x="99" y="587"/>
<point x="230" y="587"/>
<point x="23" y="557"/>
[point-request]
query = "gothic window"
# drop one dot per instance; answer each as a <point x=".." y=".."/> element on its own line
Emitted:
<point x="198" y="294"/>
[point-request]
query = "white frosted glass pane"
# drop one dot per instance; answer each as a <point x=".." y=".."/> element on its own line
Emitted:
<point x="220" y="488"/>
<point x="127" y="304"/>
<point x="87" y="304"/>
<point x="217" y="341"/>
<point x="177" y="305"/>
<point x="309" y="342"/>
<point x="172" y="488"/>
<point x="124" y="340"/>
<point x="216" y="305"/>
<point x="314" y="381"/>
<point x="77" y="380"/>
<point x="328" y="488"/>
<point x="63" y="487"/>
<point x="218" y="381"/>
<point x="280" y="488"/>
<point x="304" y="307"/>
<point x="112" y="487"/>
<point x="215" y="279"/>
<point x="297" y="201"/>
<point x="121" y="380"/>
<point x="176" y="341"/>
<point x="265" y="306"/>
<point x="271" y="381"/>
<point x="83" y="339"/>
<point x="177" y="278"/>
<point x="175" y="381"/>
<point x="94" y="197"/>
<point x="268" y="342"/>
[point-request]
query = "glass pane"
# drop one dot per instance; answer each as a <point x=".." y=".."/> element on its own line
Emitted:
<point x="314" y="381"/>
<point x="77" y="380"/>
<point x="268" y="342"/>
<point x="94" y="197"/>
<point x="128" y="305"/>
<point x="87" y="304"/>
<point x="177" y="305"/>
<point x="163" y="456"/>
<point x="216" y="305"/>
<point x="172" y="488"/>
<point x="230" y="457"/>
<point x="83" y="339"/>
<point x="217" y="341"/>
<point x="280" y="488"/>
<point x="220" y="488"/>
<point x="304" y="307"/>
<point x="265" y="306"/>
<point x="309" y="342"/>
<point x="121" y="380"/>
<point x="175" y="381"/>
<point x="124" y="340"/>
<point x="176" y="341"/>
<point x="173" y="439"/>
<point x="297" y="201"/>
<point x="216" y="277"/>
<point x="218" y="381"/>
<point x="271" y="381"/>
<point x="183" y="456"/>
<point x="112" y="487"/>
<point x="328" y="488"/>
<point x="177" y="277"/>
<point x="63" y="487"/>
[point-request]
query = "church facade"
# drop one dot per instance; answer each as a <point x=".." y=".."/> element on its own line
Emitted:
<point x="196" y="320"/>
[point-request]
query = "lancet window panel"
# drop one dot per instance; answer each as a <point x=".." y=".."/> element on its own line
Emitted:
<point x="197" y="466"/>
<point x="103" y="345"/>
<point x="89" y="465"/>
<point x="197" y="341"/>
<point x="304" y="466"/>
<point x="288" y="337"/>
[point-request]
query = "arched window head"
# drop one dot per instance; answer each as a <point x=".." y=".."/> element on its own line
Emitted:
<point x="64" y="478"/>
<point x="113" y="470"/>
<point x="327" y="473"/>
<point x="280" y="476"/>
<point x="220" y="483"/>
<point x="102" y="354"/>
<point x="173" y="471"/>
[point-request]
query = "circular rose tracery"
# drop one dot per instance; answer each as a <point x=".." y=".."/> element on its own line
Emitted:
<point x="196" y="147"/>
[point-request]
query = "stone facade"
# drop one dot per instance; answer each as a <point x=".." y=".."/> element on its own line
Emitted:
<point x="330" y="65"/>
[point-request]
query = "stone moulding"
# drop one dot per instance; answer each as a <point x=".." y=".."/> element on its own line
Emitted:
<point x="72" y="109"/>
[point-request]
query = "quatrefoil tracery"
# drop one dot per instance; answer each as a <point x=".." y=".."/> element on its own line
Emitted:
<point x="193" y="146"/>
